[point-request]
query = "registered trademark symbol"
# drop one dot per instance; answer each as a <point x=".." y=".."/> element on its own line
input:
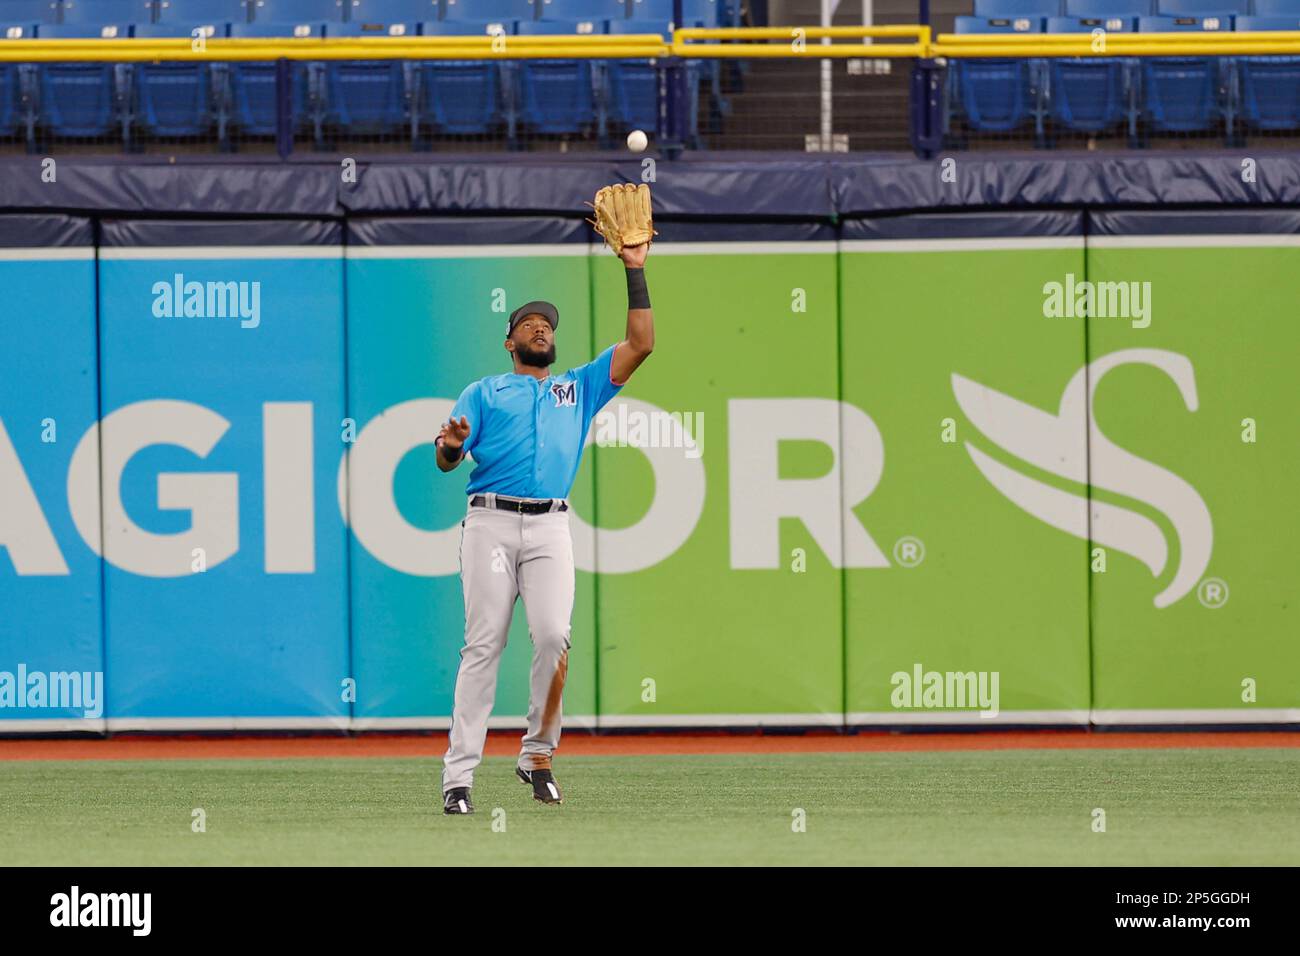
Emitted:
<point x="1212" y="592"/>
<point x="909" y="551"/>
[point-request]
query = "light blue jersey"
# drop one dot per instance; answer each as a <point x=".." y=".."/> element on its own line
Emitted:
<point x="526" y="436"/>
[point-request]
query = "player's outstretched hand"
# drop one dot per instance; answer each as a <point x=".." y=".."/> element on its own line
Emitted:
<point x="634" y="256"/>
<point x="454" y="433"/>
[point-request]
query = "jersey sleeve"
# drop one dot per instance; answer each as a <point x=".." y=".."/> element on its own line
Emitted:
<point x="596" y="381"/>
<point x="470" y="405"/>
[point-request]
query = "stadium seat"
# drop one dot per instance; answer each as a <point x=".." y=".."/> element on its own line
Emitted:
<point x="460" y="97"/>
<point x="367" y="96"/>
<point x="555" y="96"/>
<point x="631" y="87"/>
<point x="103" y="12"/>
<point x="80" y="99"/>
<point x="395" y="11"/>
<point x="29" y="11"/>
<point x="298" y="11"/>
<point x="1185" y="94"/>
<point x="1003" y="9"/>
<point x="202" y="11"/>
<point x="1108" y="8"/>
<point x="250" y="96"/>
<point x="16" y="88"/>
<point x="173" y="99"/>
<point x="997" y="95"/>
<point x="583" y="10"/>
<point x="1269" y="86"/>
<point x="1277" y="8"/>
<point x="696" y="13"/>
<point x="494" y="10"/>
<point x="1202" y="8"/>
<point x="1090" y="94"/>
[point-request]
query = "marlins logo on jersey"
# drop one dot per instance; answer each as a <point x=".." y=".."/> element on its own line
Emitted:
<point x="566" y="393"/>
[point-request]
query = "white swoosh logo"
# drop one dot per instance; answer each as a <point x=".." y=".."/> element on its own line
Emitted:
<point x="1055" y="443"/>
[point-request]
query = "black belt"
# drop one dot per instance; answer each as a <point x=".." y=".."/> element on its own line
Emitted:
<point x="521" y="506"/>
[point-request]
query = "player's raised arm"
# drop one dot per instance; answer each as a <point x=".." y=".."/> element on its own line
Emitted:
<point x="640" y="341"/>
<point x="624" y="220"/>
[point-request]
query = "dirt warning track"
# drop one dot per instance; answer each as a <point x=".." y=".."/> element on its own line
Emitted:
<point x="577" y="743"/>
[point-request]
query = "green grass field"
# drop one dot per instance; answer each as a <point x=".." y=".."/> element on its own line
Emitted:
<point x="1175" y="807"/>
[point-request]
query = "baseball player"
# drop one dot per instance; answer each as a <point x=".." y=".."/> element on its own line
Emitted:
<point x="525" y="430"/>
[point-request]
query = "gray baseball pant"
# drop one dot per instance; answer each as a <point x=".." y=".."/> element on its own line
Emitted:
<point x="503" y="556"/>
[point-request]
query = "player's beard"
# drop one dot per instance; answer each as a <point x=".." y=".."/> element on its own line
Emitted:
<point x="544" y="358"/>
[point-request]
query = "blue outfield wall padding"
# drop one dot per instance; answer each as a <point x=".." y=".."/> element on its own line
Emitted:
<point x="965" y="225"/>
<point x="46" y="231"/>
<point x="50" y="572"/>
<point x="1220" y="222"/>
<point x="769" y="188"/>
<point x="466" y="230"/>
<point x="220" y="232"/>
<point x="744" y="186"/>
<point x="223" y="401"/>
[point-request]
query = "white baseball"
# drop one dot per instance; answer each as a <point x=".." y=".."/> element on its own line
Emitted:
<point x="637" y="141"/>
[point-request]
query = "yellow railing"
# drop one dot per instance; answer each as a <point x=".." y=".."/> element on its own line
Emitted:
<point x="800" y="42"/>
<point x="693" y="43"/>
<point x="1115" y="44"/>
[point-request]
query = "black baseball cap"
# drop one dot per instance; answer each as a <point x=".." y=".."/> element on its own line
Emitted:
<point x="547" y="311"/>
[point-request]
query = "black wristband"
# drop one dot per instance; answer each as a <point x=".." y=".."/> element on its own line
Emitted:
<point x="638" y="296"/>
<point x="450" y="454"/>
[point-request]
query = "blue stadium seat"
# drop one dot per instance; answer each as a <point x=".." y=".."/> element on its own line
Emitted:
<point x="585" y="10"/>
<point x="1001" y="9"/>
<point x="1109" y="8"/>
<point x="1091" y="94"/>
<point x="202" y="11"/>
<point x="173" y="99"/>
<point x="999" y="24"/>
<point x="1109" y="22"/>
<point x="555" y="96"/>
<point x="1269" y="85"/>
<point x="998" y="95"/>
<point x="1201" y="8"/>
<point x="29" y="11"/>
<point x="80" y="99"/>
<point x="1277" y="8"/>
<point x="493" y="10"/>
<point x="460" y="97"/>
<point x="696" y="13"/>
<point x="631" y="89"/>
<point x="1185" y="94"/>
<point x="395" y="11"/>
<point x="99" y="12"/>
<point x="298" y="11"/>
<point x="250" y="95"/>
<point x="16" y="87"/>
<point x="367" y="96"/>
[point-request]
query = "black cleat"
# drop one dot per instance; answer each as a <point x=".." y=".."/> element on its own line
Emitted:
<point x="456" y="800"/>
<point x="545" y="788"/>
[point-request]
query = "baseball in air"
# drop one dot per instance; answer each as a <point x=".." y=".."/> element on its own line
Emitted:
<point x="637" y="141"/>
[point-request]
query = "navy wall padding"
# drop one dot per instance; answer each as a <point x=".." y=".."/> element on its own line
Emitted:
<point x="966" y="225"/>
<point x="1275" y="222"/>
<point x="40" y="232"/>
<point x="217" y="232"/>
<point x="453" y="231"/>
<point x="760" y="189"/>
